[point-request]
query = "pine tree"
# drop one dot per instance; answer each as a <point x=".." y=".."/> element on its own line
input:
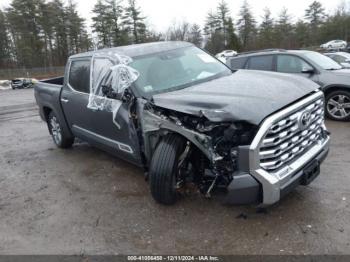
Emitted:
<point x="195" y="35"/>
<point x="118" y="34"/>
<point x="60" y="52"/>
<point x="5" y="46"/>
<point x="284" y="30"/>
<point x="25" y="30"/>
<point x="220" y="30"/>
<point x="302" y="34"/>
<point x="223" y="15"/>
<point x="266" y="30"/>
<point x="212" y="23"/>
<point x="246" y="26"/>
<point x="315" y="16"/>
<point x="46" y="12"/>
<point x="233" y="41"/>
<point x="78" y="40"/>
<point x="134" y="22"/>
<point x="101" y="24"/>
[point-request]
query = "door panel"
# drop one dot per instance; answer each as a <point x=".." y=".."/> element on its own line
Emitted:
<point x="75" y="94"/>
<point x="116" y="133"/>
<point x="120" y="130"/>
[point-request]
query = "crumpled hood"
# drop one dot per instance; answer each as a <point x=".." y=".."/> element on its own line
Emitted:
<point x="243" y="96"/>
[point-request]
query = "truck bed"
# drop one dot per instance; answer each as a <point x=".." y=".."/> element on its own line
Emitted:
<point x="54" y="81"/>
<point x="47" y="94"/>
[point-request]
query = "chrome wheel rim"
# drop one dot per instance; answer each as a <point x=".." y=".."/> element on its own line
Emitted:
<point x="56" y="130"/>
<point x="338" y="106"/>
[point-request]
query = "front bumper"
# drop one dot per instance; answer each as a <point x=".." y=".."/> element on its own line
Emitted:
<point x="277" y="181"/>
<point x="245" y="189"/>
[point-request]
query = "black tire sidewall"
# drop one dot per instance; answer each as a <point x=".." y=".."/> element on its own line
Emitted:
<point x="163" y="168"/>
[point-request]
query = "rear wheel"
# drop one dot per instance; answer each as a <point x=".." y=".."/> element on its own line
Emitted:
<point x="165" y="169"/>
<point x="338" y="105"/>
<point x="60" y="138"/>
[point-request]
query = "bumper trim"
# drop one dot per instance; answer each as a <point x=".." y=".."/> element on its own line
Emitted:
<point x="245" y="189"/>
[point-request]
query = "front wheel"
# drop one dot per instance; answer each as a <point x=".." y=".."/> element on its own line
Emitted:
<point x="164" y="169"/>
<point x="338" y="105"/>
<point x="60" y="138"/>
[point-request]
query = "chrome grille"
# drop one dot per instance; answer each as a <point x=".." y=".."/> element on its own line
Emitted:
<point x="285" y="140"/>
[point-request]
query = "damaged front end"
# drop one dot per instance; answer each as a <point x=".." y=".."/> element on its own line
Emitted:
<point x="211" y="158"/>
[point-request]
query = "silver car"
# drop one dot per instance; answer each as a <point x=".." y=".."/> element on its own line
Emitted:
<point x="341" y="58"/>
<point x="334" y="44"/>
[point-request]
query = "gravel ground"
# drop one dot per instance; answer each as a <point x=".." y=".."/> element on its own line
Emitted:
<point x="83" y="201"/>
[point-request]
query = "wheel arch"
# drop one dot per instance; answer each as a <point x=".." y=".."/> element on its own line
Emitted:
<point x="46" y="110"/>
<point x="150" y="145"/>
<point x="329" y="89"/>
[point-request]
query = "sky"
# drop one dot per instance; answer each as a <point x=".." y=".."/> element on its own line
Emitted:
<point x="161" y="13"/>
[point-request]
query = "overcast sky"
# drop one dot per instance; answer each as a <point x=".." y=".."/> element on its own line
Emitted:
<point x="161" y="13"/>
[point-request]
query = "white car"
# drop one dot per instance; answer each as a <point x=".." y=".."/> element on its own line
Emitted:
<point x="341" y="58"/>
<point x="334" y="44"/>
<point x="224" y="54"/>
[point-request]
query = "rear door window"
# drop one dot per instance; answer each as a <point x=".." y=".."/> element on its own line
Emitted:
<point x="261" y="63"/>
<point x="79" y="75"/>
<point x="290" y="64"/>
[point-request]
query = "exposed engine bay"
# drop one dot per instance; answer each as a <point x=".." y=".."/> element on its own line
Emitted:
<point x="210" y="157"/>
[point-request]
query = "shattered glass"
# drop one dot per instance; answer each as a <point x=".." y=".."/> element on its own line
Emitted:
<point x="110" y="76"/>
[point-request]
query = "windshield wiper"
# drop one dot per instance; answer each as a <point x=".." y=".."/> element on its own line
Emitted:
<point x="333" y="69"/>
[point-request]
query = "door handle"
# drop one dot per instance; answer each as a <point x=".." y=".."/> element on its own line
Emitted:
<point x="64" y="100"/>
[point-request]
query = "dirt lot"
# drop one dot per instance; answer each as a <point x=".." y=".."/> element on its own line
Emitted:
<point x="83" y="201"/>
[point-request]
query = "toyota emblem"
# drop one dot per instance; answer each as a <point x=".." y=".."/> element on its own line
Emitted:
<point x="305" y="120"/>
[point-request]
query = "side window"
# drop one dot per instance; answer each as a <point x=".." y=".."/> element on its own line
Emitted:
<point x="100" y="68"/>
<point x="290" y="64"/>
<point x="79" y="75"/>
<point x="237" y="63"/>
<point x="261" y="63"/>
<point x="339" y="59"/>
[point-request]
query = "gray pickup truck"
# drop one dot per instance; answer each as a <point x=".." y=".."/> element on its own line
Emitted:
<point x="187" y="119"/>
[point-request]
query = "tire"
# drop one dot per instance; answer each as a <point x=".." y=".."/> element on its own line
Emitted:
<point x="164" y="169"/>
<point x="338" y="105"/>
<point x="60" y="138"/>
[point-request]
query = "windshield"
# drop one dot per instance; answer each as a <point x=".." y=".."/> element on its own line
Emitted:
<point x="323" y="61"/>
<point x="346" y="55"/>
<point x="176" y="69"/>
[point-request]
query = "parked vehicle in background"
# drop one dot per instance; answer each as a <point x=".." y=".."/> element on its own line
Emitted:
<point x="341" y="58"/>
<point x="225" y="54"/>
<point x="20" y="83"/>
<point x="334" y="80"/>
<point x="186" y="118"/>
<point x="334" y="44"/>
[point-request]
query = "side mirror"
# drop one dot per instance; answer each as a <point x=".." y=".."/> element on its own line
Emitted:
<point x="110" y="93"/>
<point x="308" y="70"/>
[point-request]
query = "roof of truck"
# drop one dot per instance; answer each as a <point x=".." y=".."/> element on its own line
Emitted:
<point x="138" y="49"/>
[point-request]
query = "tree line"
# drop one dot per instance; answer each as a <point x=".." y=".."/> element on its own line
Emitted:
<point x="246" y="33"/>
<point x="43" y="33"/>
